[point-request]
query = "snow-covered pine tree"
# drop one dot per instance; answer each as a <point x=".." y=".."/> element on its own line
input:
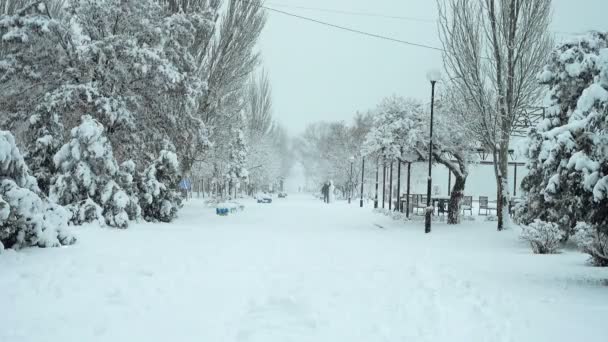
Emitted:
<point x="159" y="198"/>
<point x="568" y="180"/>
<point x="562" y="142"/>
<point x="43" y="140"/>
<point x="26" y="218"/>
<point x="126" y="180"/>
<point x="85" y="180"/>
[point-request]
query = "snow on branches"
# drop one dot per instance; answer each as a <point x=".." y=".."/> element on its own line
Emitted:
<point x="85" y="181"/>
<point x="544" y="237"/>
<point x="26" y="218"/>
<point x="160" y="200"/>
<point x="568" y="153"/>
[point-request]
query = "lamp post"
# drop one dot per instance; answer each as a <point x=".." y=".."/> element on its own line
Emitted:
<point x="350" y="186"/>
<point x="433" y="76"/>
<point x="362" y="180"/>
<point x="376" y="196"/>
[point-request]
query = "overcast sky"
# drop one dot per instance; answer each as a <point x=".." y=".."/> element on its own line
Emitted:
<point x="321" y="73"/>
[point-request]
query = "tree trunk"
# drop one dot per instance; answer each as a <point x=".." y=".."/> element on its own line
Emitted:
<point x="502" y="191"/>
<point x="456" y="200"/>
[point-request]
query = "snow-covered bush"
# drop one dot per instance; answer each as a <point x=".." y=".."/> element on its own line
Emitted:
<point x="126" y="180"/>
<point x="159" y="198"/>
<point x="593" y="241"/>
<point x="26" y="218"/>
<point x="544" y="237"/>
<point x="85" y="182"/>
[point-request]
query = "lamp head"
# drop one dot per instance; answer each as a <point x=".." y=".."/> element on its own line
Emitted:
<point x="433" y="75"/>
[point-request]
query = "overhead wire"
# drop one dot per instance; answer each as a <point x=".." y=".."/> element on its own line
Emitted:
<point x="344" y="28"/>
<point x="349" y="12"/>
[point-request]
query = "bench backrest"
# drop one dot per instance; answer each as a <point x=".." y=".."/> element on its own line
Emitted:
<point x="467" y="200"/>
<point x="483" y="201"/>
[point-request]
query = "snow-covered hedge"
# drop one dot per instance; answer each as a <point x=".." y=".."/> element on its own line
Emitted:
<point x="544" y="237"/>
<point x="593" y="241"/>
<point x="159" y="198"/>
<point x="26" y="218"/>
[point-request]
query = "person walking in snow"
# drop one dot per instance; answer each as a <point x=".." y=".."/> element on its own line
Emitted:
<point x="330" y="192"/>
<point x="325" y="191"/>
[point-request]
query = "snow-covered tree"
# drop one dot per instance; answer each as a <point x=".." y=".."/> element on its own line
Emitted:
<point x="492" y="51"/>
<point x="45" y="138"/>
<point x="26" y="217"/>
<point x="85" y="180"/>
<point x="159" y="198"/>
<point x="237" y="160"/>
<point x="401" y="133"/>
<point x="126" y="181"/>
<point x="568" y="153"/>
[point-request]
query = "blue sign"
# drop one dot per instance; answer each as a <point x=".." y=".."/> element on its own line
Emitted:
<point x="185" y="184"/>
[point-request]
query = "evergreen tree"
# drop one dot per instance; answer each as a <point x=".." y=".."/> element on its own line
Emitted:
<point x="85" y="181"/>
<point x="568" y="179"/>
<point x="45" y="139"/>
<point x="159" y="198"/>
<point x="126" y="180"/>
<point x="26" y="218"/>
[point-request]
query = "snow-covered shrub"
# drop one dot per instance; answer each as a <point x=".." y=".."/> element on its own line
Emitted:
<point x="544" y="237"/>
<point x="114" y="202"/>
<point x="85" y="183"/>
<point x="593" y="241"/>
<point x="26" y="218"/>
<point x="159" y="198"/>
<point x="125" y="179"/>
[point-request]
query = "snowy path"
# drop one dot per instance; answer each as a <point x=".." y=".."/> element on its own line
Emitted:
<point x="298" y="270"/>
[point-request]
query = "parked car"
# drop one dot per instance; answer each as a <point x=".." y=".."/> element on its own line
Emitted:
<point x="264" y="199"/>
<point x="282" y="195"/>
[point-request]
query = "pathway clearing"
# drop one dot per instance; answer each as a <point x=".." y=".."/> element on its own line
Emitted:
<point x="299" y="270"/>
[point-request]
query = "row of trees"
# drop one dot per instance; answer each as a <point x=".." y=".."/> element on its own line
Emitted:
<point x="326" y="151"/>
<point x="114" y="101"/>
<point x="400" y="134"/>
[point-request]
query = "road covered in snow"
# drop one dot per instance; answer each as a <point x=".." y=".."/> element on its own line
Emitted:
<point x="299" y="270"/>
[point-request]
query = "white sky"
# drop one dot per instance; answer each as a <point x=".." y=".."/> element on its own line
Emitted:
<point x="321" y="73"/>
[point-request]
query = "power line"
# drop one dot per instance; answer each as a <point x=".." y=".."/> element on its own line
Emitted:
<point x="344" y="28"/>
<point x="355" y="13"/>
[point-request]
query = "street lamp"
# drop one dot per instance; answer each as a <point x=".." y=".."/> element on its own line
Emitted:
<point x="433" y="76"/>
<point x="362" y="179"/>
<point x="350" y="191"/>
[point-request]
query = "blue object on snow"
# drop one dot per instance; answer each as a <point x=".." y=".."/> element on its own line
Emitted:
<point x="185" y="184"/>
<point x="221" y="211"/>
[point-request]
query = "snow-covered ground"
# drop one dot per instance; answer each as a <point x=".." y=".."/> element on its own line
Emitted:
<point x="299" y="270"/>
